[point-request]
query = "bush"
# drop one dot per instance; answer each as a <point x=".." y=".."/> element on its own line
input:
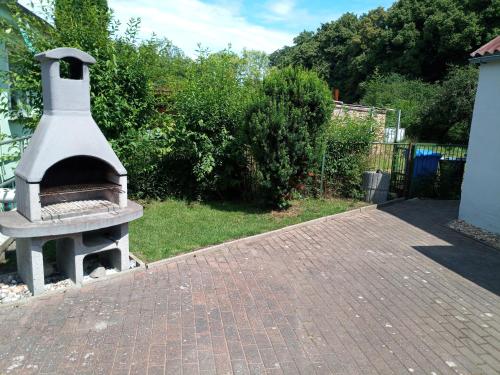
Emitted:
<point x="209" y="107"/>
<point x="143" y="153"/>
<point x="449" y="114"/>
<point x="348" y="144"/>
<point x="121" y="89"/>
<point x="398" y="92"/>
<point x="284" y="125"/>
<point x="439" y="112"/>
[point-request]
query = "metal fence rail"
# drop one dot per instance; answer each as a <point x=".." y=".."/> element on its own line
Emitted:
<point x="10" y="154"/>
<point x="421" y="169"/>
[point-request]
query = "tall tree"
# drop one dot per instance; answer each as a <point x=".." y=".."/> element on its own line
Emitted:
<point x="83" y="24"/>
<point x="419" y="39"/>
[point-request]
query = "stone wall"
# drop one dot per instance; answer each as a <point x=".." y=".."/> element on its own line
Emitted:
<point x="356" y="110"/>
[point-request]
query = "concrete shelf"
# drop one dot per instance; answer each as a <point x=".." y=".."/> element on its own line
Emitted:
<point x="13" y="224"/>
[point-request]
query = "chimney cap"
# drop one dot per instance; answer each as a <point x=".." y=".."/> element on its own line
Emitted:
<point x="61" y="53"/>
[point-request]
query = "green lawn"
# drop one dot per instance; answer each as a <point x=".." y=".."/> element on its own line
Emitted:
<point x="172" y="227"/>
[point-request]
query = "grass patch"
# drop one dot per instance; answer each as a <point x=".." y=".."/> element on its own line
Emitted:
<point x="172" y="227"/>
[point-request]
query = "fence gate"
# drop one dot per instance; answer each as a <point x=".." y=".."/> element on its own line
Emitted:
<point x="392" y="158"/>
<point x="399" y="169"/>
<point x="421" y="169"/>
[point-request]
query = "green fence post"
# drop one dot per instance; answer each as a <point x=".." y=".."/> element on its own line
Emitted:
<point x="322" y="173"/>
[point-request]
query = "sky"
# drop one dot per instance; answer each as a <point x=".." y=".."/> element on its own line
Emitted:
<point x="264" y="25"/>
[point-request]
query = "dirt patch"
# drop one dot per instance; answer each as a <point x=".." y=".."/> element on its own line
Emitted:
<point x="292" y="211"/>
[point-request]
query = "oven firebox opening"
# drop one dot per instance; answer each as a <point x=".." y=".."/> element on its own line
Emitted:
<point x="79" y="184"/>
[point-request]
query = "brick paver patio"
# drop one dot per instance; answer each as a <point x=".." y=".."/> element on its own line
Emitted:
<point x="389" y="291"/>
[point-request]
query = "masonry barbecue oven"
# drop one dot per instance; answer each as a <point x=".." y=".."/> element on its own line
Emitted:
<point x="70" y="185"/>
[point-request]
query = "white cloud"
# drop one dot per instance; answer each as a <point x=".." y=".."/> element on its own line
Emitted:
<point x="281" y="8"/>
<point x="289" y="15"/>
<point x="189" y="22"/>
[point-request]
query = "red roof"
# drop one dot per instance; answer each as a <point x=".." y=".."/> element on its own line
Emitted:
<point x="490" y="48"/>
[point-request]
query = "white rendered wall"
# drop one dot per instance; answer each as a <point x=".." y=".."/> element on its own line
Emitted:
<point x="480" y="202"/>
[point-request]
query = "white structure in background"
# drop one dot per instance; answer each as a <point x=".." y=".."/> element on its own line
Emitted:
<point x="394" y="135"/>
<point x="383" y="133"/>
<point x="480" y="204"/>
<point x="390" y="135"/>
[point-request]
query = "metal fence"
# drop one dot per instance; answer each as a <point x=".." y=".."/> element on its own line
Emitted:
<point x="421" y="169"/>
<point x="10" y="154"/>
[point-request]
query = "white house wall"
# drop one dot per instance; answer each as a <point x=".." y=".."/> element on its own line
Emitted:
<point x="480" y="202"/>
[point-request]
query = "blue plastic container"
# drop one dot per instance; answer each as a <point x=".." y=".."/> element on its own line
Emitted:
<point x="425" y="163"/>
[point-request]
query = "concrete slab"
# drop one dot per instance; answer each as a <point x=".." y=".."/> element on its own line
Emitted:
<point x="14" y="224"/>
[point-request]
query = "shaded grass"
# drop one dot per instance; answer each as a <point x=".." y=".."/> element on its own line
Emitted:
<point x="172" y="227"/>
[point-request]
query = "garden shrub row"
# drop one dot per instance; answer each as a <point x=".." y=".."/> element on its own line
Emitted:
<point x="222" y="125"/>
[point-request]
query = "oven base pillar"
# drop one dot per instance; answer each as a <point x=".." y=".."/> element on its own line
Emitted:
<point x="71" y="250"/>
<point x="30" y="263"/>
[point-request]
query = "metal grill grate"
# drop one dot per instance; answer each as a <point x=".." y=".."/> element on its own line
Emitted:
<point x="80" y="188"/>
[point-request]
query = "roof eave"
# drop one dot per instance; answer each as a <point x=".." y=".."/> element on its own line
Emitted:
<point x="484" y="59"/>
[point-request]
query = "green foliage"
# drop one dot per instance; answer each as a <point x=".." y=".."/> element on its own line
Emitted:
<point x="285" y="123"/>
<point x="143" y="153"/>
<point x="439" y="112"/>
<point x="186" y="127"/>
<point x="124" y="95"/>
<point x="254" y="66"/>
<point x="427" y="35"/>
<point x="448" y="116"/>
<point x="395" y="91"/>
<point x="417" y="39"/>
<point x="131" y="83"/>
<point x="348" y="143"/>
<point x="208" y="108"/>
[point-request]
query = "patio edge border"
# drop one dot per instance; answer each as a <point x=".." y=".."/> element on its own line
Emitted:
<point x="143" y="266"/>
<point x="354" y="211"/>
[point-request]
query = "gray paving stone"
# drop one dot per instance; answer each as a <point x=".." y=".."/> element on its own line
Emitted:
<point x="382" y="291"/>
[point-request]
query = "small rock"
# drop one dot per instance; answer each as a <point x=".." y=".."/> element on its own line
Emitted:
<point x="18" y="289"/>
<point x="98" y="272"/>
<point x="132" y="263"/>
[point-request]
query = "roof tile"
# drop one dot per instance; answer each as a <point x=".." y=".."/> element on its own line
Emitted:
<point x="490" y="48"/>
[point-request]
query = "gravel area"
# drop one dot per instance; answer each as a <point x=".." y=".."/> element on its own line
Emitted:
<point x="13" y="289"/>
<point x="484" y="236"/>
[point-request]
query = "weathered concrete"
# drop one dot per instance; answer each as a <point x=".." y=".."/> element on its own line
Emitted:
<point x="69" y="180"/>
<point x="66" y="128"/>
<point x="28" y="200"/>
<point x="66" y="131"/>
<point x="14" y="224"/>
<point x="29" y="254"/>
<point x="70" y="253"/>
<point x="390" y="291"/>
